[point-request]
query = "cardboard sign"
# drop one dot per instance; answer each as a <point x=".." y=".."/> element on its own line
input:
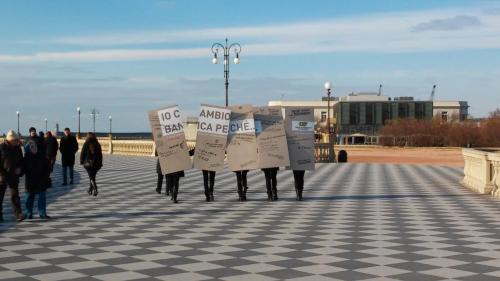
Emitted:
<point x="241" y="141"/>
<point x="272" y="147"/>
<point x="299" y="124"/>
<point x="168" y="134"/>
<point x="211" y="139"/>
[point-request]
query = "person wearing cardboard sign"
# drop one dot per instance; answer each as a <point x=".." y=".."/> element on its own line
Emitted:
<point x="242" y="146"/>
<point x="168" y="134"/>
<point x="211" y="140"/>
<point x="299" y="125"/>
<point x="272" y="145"/>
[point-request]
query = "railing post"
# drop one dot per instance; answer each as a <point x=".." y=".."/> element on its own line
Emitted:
<point x="110" y="146"/>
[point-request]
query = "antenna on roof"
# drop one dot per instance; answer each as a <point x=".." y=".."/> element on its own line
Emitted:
<point x="380" y="90"/>
<point x="433" y="93"/>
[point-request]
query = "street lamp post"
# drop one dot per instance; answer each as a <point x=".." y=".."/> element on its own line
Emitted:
<point x="78" y="134"/>
<point x="328" y="88"/>
<point x="94" y="113"/>
<point x="46" y="126"/>
<point x="17" y="113"/>
<point x="226" y="48"/>
<point x="110" y="125"/>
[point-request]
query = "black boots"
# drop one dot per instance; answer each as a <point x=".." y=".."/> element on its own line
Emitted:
<point x="275" y="193"/>
<point x="174" y="194"/>
<point x="207" y="194"/>
<point x="298" y="191"/>
<point x="244" y="195"/>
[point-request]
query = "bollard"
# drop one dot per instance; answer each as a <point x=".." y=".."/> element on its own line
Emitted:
<point x="342" y="156"/>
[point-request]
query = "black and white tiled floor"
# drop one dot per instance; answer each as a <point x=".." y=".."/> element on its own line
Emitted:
<point x="358" y="222"/>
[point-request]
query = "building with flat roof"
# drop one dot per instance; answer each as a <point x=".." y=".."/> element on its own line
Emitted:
<point x="357" y="118"/>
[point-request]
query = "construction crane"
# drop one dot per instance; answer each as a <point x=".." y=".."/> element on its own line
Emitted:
<point x="380" y="90"/>
<point x="433" y="93"/>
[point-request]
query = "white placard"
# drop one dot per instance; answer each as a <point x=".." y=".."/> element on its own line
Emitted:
<point x="241" y="126"/>
<point x="303" y="126"/>
<point x="170" y="121"/>
<point x="214" y="120"/>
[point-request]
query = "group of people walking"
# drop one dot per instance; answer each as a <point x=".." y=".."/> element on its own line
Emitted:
<point x="34" y="158"/>
<point x="270" y="174"/>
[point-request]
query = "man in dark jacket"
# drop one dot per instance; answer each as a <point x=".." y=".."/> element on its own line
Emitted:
<point x="11" y="168"/>
<point x="37" y="168"/>
<point x="52" y="147"/>
<point x="68" y="147"/>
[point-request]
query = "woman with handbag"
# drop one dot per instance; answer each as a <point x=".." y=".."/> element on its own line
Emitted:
<point x="91" y="159"/>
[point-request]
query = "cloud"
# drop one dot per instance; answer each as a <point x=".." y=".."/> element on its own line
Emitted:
<point x="377" y="33"/>
<point x="492" y="11"/>
<point x="454" y="23"/>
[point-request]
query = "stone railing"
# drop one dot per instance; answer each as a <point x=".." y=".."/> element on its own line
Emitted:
<point x="482" y="170"/>
<point x="147" y="148"/>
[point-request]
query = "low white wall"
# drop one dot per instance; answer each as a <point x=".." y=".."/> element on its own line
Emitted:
<point x="482" y="170"/>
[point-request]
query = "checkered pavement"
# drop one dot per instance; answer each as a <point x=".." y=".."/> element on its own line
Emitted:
<point x="358" y="222"/>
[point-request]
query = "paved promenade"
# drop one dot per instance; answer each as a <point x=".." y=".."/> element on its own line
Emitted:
<point x="358" y="222"/>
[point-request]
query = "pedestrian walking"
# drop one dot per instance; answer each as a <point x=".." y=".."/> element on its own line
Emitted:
<point x="11" y="169"/>
<point x="36" y="170"/>
<point x="51" y="153"/>
<point x="91" y="159"/>
<point x="68" y="147"/>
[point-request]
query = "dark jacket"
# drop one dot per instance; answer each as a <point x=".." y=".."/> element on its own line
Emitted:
<point x="91" y="155"/>
<point x="36" y="165"/>
<point x="11" y="158"/>
<point x="68" y="147"/>
<point x="52" y="147"/>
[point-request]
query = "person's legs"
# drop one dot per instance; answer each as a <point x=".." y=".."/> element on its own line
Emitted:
<point x="71" y="173"/>
<point x="205" y="184"/>
<point x="94" y="175"/>
<point x="42" y="205"/>
<point x="274" y="183"/>
<point x="16" y="201"/>
<point x="3" y="187"/>
<point x="212" y="183"/>
<point x="91" y="183"/>
<point x="239" y="184"/>
<point x="65" y="174"/>
<point x="267" y="175"/>
<point x="170" y="184"/>
<point x="176" y="187"/>
<point x="28" y="204"/>
<point x="298" y="176"/>
<point x="159" y="183"/>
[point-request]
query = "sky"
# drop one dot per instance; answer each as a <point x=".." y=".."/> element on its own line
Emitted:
<point x="127" y="57"/>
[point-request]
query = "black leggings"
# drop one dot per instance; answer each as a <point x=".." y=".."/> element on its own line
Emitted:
<point x="241" y="178"/>
<point x="298" y="176"/>
<point x="173" y="183"/>
<point x="92" y="174"/>
<point x="208" y="180"/>
<point x="271" y="181"/>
